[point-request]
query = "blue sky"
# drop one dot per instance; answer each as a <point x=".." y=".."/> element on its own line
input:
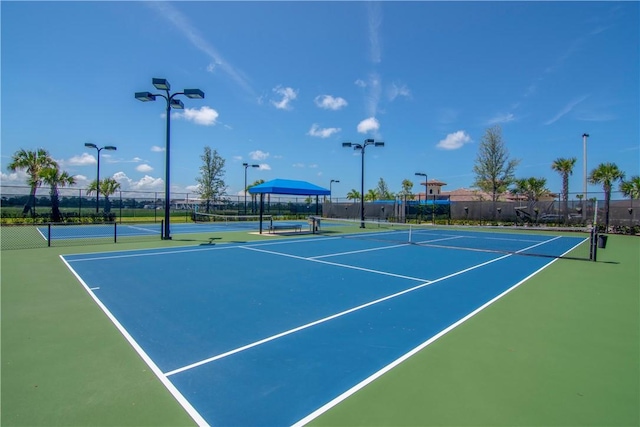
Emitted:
<point x="287" y="82"/>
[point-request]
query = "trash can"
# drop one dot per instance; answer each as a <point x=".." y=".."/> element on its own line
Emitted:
<point x="602" y="241"/>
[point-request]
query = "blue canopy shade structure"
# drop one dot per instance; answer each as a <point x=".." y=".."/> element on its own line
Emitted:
<point x="288" y="186"/>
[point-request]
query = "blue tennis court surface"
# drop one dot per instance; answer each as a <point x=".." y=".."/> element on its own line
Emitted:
<point x="274" y="333"/>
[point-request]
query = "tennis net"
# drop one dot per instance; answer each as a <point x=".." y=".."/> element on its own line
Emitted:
<point x="239" y="221"/>
<point x="507" y="240"/>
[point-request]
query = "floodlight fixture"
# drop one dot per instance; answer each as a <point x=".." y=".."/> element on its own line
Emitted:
<point x="194" y="93"/>
<point x="161" y="84"/>
<point x="176" y="104"/>
<point x="98" y="149"/>
<point x="368" y="141"/>
<point x="145" y="96"/>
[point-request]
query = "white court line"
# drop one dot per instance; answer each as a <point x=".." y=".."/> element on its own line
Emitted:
<point x="147" y="230"/>
<point x="154" y="368"/>
<point x="420" y="347"/>
<point x="377" y="249"/>
<point x="342" y="313"/>
<point x="352" y="267"/>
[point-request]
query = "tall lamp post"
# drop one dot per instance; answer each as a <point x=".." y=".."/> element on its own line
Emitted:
<point x="99" y="149"/>
<point x="172" y="102"/>
<point x="425" y="189"/>
<point x="246" y="165"/>
<point x="330" y="183"/>
<point x="584" y="174"/>
<point x="362" y="147"/>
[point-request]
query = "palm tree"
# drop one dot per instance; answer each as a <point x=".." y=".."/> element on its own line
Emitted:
<point x="33" y="162"/>
<point x="54" y="178"/>
<point x="606" y="174"/>
<point x="631" y="188"/>
<point x="108" y="186"/>
<point x="371" y="196"/>
<point x="565" y="168"/>
<point x="353" y="195"/>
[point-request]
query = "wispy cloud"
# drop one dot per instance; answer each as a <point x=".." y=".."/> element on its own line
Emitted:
<point x="203" y="116"/>
<point x="329" y="102"/>
<point x="398" y="89"/>
<point x="501" y="118"/>
<point x="144" y="168"/>
<point x="288" y="94"/>
<point x="180" y="22"/>
<point x="566" y="110"/>
<point x="322" y="133"/>
<point x="368" y="125"/>
<point x="374" y="14"/>
<point x="455" y="140"/>
<point x="157" y="149"/>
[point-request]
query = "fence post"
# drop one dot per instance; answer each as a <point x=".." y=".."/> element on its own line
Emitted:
<point x="115" y="232"/>
<point x="49" y="235"/>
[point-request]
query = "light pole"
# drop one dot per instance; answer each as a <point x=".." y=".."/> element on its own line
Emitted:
<point x="584" y="173"/>
<point x="362" y="147"/>
<point x="99" y="149"/>
<point x="246" y="165"/>
<point x="330" y="183"/>
<point x="163" y="84"/>
<point x="425" y="190"/>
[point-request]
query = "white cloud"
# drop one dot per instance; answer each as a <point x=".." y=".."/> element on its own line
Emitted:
<point x="258" y="155"/>
<point x="501" y="118"/>
<point x="82" y="160"/>
<point x="298" y="165"/>
<point x="360" y="83"/>
<point x="288" y="94"/>
<point x="328" y="102"/>
<point x="157" y="149"/>
<point x="146" y="183"/>
<point x="144" y="168"/>
<point x="18" y="177"/>
<point x="204" y="116"/>
<point x="237" y="158"/>
<point x="264" y="167"/>
<point x="368" y="125"/>
<point x="455" y="140"/>
<point x="396" y="90"/>
<point x="322" y="133"/>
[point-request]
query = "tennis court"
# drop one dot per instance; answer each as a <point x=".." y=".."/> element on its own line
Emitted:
<point x="275" y="333"/>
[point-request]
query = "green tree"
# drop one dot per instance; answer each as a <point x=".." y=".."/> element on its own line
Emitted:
<point x="56" y="179"/>
<point x="353" y="195"/>
<point x="493" y="169"/>
<point x="565" y="168"/>
<point x="631" y="188"/>
<point x="606" y="174"/>
<point x="108" y="186"/>
<point x="371" y="196"/>
<point x="383" y="191"/>
<point x="532" y="188"/>
<point x="33" y="162"/>
<point x="407" y="190"/>
<point x="211" y="185"/>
